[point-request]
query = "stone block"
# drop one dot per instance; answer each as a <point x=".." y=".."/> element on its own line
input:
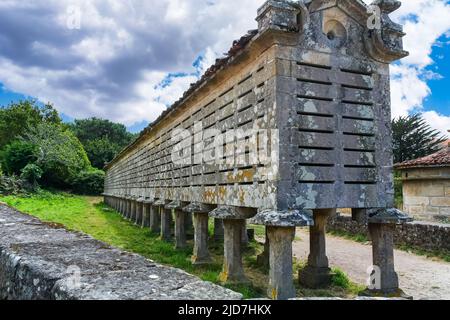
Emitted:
<point x="440" y="201"/>
<point x="416" y="201"/>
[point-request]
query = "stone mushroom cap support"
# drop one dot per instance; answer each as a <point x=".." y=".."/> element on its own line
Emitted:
<point x="382" y="222"/>
<point x="200" y="212"/>
<point x="180" y="224"/>
<point x="280" y="229"/>
<point x="233" y="223"/>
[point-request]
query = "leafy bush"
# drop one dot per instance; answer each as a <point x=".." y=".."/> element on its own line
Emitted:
<point x="16" y="156"/>
<point x="12" y="185"/>
<point x="89" y="182"/>
<point x="59" y="154"/>
<point x="32" y="173"/>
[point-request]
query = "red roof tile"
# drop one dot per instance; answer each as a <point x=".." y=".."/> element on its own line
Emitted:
<point x="438" y="159"/>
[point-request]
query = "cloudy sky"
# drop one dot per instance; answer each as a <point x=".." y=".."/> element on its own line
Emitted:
<point x="128" y="60"/>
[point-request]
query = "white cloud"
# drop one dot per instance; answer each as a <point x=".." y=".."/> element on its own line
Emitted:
<point x="439" y="121"/>
<point x="113" y="66"/>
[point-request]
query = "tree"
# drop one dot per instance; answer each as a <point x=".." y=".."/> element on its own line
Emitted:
<point x="413" y="138"/>
<point x="17" y="118"/>
<point x="58" y="153"/>
<point x="102" y="139"/>
<point x="16" y="156"/>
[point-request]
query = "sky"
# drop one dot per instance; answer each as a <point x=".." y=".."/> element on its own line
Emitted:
<point x="128" y="60"/>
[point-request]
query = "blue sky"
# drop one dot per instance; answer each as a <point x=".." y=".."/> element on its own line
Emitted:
<point x="127" y="61"/>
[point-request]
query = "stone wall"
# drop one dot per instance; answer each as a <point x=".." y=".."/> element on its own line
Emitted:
<point x="424" y="235"/>
<point x="426" y="193"/>
<point x="43" y="262"/>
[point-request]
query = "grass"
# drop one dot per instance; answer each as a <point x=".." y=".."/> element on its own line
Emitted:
<point x="91" y="216"/>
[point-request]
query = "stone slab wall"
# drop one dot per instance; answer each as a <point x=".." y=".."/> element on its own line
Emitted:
<point x="425" y="235"/>
<point x="43" y="262"/>
<point x="426" y="193"/>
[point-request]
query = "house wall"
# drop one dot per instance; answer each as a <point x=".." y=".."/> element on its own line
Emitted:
<point x="426" y="193"/>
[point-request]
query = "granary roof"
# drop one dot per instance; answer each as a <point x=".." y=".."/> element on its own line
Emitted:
<point x="438" y="159"/>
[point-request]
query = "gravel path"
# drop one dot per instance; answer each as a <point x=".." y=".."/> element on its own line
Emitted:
<point x="420" y="277"/>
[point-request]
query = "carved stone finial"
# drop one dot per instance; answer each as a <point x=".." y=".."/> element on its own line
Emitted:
<point x="280" y="15"/>
<point x="384" y="41"/>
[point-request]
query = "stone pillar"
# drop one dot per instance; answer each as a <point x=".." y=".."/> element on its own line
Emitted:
<point x="263" y="258"/>
<point x="317" y="273"/>
<point x="189" y="225"/>
<point x="385" y="279"/>
<point x="244" y="234"/>
<point x="166" y="219"/>
<point x="180" y="230"/>
<point x="201" y="253"/>
<point x="155" y="219"/>
<point x="281" y="284"/>
<point x="218" y="230"/>
<point x="133" y="210"/>
<point x="128" y="215"/>
<point x="233" y="270"/>
<point x="146" y="214"/>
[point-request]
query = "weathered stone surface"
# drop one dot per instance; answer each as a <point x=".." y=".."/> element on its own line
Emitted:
<point x="36" y="260"/>
<point x="291" y="218"/>
<point x="391" y="216"/>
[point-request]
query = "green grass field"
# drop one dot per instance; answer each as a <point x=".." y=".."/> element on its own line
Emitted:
<point x="91" y="216"/>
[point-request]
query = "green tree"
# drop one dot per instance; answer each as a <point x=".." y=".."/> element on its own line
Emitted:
<point x="17" y="118"/>
<point x="414" y="138"/>
<point x="16" y="156"/>
<point x="58" y="153"/>
<point x="102" y="139"/>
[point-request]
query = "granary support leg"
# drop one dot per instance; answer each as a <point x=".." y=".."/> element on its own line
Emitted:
<point x="155" y="219"/>
<point x="166" y="219"/>
<point x="317" y="273"/>
<point x="263" y="258"/>
<point x="138" y="216"/>
<point x="218" y="230"/>
<point x="189" y="224"/>
<point x="244" y="234"/>
<point x="145" y="215"/>
<point x="180" y="230"/>
<point x="201" y="253"/>
<point x="385" y="279"/>
<point x="128" y="215"/>
<point x="133" y="210"/>
<point x="281" y="284"/>
<point x="233" y="270"/>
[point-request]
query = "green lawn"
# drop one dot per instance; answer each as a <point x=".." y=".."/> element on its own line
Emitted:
<point x="91" y="216"/>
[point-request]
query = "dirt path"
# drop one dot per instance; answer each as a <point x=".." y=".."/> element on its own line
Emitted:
<point x="420" y="277"/>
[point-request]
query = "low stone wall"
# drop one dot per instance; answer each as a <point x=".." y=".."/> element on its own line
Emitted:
<point x="424" y="235"/>
<point x="39" y="261"/>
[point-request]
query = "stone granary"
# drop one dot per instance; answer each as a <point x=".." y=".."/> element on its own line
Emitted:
<point x="426" y="186"/>
<point x="293" y="123"/>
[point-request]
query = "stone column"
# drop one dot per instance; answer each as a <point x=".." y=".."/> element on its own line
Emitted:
<point x="281" y="284"/>
<point x="128" y="215"/>
<point x="244" y="234"/>
<point x="155" y="220"/>
<point x="233" y="270"/>
<point x="166" y="219"/>
<point x="218" y="230"/>
<point x="146" y="214"/>
<point x="263" y="258"/>
<point x="189" y="225"/>
<point x="180" y="230"/>
<point x="201" y="253"/>
<point x="133" y="210"/>
<point x="317" y="273"/>
<point x="280" y="232"/>
<point x="385" y="279"/>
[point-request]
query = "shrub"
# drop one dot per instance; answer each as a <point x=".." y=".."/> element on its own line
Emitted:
<point x="59" y="154"/>
<point x="32" y="173"/>
<point x="12" y="185"/>
<point x="17" y="156"/>
<point x="90" y="182"/>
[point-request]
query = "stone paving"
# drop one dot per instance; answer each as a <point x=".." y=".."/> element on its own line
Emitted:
<point x="41" y="261"/>
<point x="420" y="277"/>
